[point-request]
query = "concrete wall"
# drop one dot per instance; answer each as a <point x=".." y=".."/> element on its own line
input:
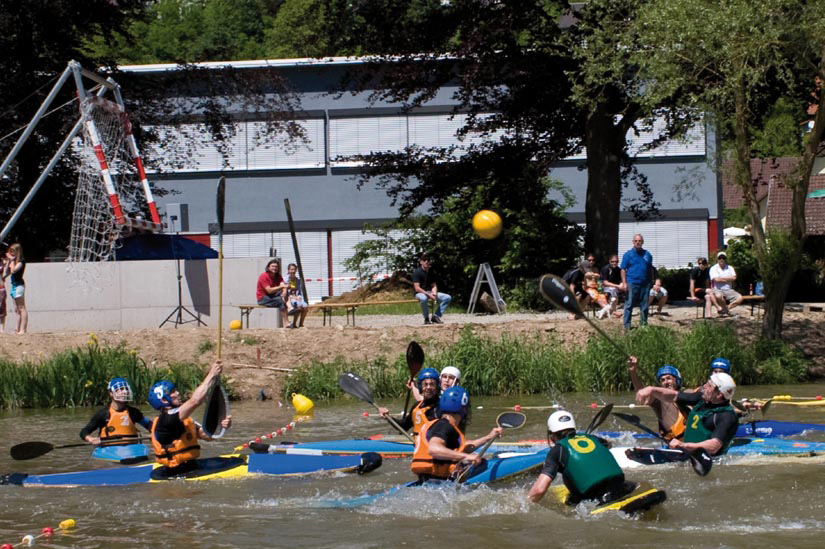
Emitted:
<point x="133" y="295"/>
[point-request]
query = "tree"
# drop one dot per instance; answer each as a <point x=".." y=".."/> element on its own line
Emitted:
<point x="38" y="38"/>
<point x="543" y="88"/>
<point x="738" y="57"/>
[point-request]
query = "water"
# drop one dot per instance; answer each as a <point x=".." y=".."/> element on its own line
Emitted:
<point x="755" y="502"/>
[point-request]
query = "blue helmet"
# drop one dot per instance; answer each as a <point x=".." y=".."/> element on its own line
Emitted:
<point x="721" y="364"/>
<point x="454" y="400"/>
<point x="118" y="384"/>
<point x="160" y="391"/>
<point x="427" y="373"/>
<point x="669" y="370"/>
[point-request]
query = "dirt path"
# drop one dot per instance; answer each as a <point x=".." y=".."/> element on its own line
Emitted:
<point x="258" y="359"/>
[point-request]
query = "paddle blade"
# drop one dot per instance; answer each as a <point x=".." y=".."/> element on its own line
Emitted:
<point x="599" y="418"/>
<point x="511" y="420"/>
<point x="220" y="203"/>
<point x="557" y="291"/>
<point x="217" y="408"/>
<point x="355" y="386"/>
<point x="765" y="407"/>
<point x="701" y="463"/>
<point x="415" y="358"/>
<point x="30" y="450"/>
<point x="370" y="461"/>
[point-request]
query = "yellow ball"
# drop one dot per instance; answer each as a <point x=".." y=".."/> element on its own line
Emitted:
<point x="235" y="325"/>
<point x="487" y="224"/>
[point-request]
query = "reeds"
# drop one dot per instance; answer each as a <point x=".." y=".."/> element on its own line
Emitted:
<point x="544" y="364"/>
<point x="79" y="377"/>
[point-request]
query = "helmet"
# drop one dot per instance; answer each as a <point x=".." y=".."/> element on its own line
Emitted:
<point x="427" y="373"/>
<point x="454" y="400"/>
<point x="452" y="371"/>
<point x="724" y="383"/>
<point x="119" y="383"/>
<point x="669" y="370"/>
<point x="160" y="391"/>
<point x="720" y="363"/>
<point x="560" y="421"/>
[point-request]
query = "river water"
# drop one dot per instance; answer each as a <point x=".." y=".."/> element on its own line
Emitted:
<point x="754" y="502"/>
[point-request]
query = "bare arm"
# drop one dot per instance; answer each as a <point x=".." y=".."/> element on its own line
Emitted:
<point x="648" y="394"/>
<point x="439" y="450"/>
<point x="471" y="445"/>
<point x="199" y="394"/>
<point x="539" y="488"/>
<point x="632" y="363"/>
<point x="711" y="446"/>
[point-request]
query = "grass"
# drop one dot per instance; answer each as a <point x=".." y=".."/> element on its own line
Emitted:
<point x="205" y="346"/>
<point x="536" y="365"/>
<point x="79" y="377"/>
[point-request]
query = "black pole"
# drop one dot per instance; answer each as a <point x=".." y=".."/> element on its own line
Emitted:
<point x="295" y="249"/>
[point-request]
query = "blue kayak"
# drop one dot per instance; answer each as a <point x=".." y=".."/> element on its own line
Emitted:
<point x="230" y="466"/>
<point x="387" y="448"/>
<point x="760" y="428"/>
<point x="122" y="453"/>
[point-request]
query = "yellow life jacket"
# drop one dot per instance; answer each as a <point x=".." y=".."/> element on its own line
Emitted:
<point x="179" y="451"/>
<point x="423" y="462"/>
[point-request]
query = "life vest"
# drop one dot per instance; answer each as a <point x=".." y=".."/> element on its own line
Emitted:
<point x="589" y="463"/>
<point x="179" y="451"/>
<point x="419" y="416"/>
<point x="695" y="430"/>
<point x="676" y="430"/>
<point x="423" y="462"/>
<point x="120" y="425"/>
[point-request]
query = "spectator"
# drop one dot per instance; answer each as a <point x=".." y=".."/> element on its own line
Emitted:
<point x="700" y="285"/>
<point x="611" y="276"/>
<point x="595" y="292"/>
<point x="269" y="291"/>
<point x="3" y="263"/>
<point x="296" y="305"/>
<point x="14" y="269"/>
<point x="637" y="272"/>
<point x="426" y="289"/>
<point x="658" y="295"/>
<point x="722" y="277"/>
<point x="575" y="279"/>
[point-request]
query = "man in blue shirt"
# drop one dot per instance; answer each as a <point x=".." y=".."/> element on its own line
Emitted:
<point x="637" y="277"/>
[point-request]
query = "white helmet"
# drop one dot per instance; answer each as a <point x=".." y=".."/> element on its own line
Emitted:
<point x="452" y="371"/>
<point x="724" y="383"/>
<point x="560" y="421"/>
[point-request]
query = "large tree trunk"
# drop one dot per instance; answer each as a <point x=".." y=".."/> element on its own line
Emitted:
<point x="604" y="142"/>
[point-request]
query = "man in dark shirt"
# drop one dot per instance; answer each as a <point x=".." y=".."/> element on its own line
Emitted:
<point x="712" y="423"/>
<point x="699" y="285"/>
<point x="425" y="287"/>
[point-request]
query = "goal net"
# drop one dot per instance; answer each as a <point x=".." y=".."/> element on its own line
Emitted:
<point x="113" y="198"/>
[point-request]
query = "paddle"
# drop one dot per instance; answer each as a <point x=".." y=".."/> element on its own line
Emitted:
<point x="35" y="449"/>
<point x="220" y="210"/>
<point x="599" y="418"/>
<point x="357" y="387"/>
<point x="701" y="461"/>
<point x="415" y="359"/>
<point x="557" y="291"/>
<point x="505" y="420"/>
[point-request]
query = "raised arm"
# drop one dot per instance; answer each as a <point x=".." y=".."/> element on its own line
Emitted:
<point x="199" y="394"/>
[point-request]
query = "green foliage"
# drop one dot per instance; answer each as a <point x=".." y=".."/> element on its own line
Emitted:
<point x="742" y="258"/>
<point x="780" y="133"/>
<point x="536" y="239"/>
<point x="737" y="217"/>
<point x="676" y="282"/>
<point x="510" y="365"/>
<point x="79" y="377"/>
<point x="205" y="346"/>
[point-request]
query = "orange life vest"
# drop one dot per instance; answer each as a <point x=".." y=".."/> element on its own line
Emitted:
<point x="423" y="462"/>
<point x="179" y="451"/>
<point x="677" y="429"/>
<point x="419" y="417"/>
<point x="120" y="425"/>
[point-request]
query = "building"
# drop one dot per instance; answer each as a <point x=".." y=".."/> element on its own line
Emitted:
<point x="329" y="210"/>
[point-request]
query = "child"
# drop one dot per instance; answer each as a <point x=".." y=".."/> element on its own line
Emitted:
<point x="295" y="304"/>
<point x="591" y="286"/>
<point x="14" y="269"/>
<point x="658" y="295"/>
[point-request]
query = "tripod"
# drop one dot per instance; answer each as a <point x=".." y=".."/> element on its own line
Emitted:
<point x="177" y="313"/>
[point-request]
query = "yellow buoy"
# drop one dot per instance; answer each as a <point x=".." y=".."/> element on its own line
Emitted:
<point x="302" y="404"/>
<point x="487" y="224"/>
<point x="235" y="325"/>
<point x="67" y="524"/>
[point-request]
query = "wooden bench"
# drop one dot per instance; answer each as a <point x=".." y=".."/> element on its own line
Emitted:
<point x="327" y="308"/>
<point x="755" y="301"/>
<point x="246" y="309"/>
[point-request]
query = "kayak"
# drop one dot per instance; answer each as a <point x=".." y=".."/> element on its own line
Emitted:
<point x="228" y="466"/>
<point x="387" y="448"/>
<point x="490" y="470"/>
<point x="125" y="453"/>
<point x="760" y="428"/>
<point x="629" y="458"/>
<point x="641" y="498"/>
